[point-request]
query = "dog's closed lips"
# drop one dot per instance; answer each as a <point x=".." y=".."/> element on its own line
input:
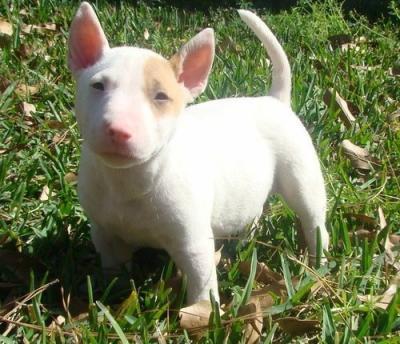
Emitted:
<point x="174" y="176"/>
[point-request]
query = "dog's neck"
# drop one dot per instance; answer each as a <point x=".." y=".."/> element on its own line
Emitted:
<point x="133" y="182"/>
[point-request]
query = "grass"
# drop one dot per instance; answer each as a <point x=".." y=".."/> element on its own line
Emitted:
<point x="48" y="265"/>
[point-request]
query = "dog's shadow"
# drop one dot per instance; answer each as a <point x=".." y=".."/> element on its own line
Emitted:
<point x="73" y="268"/>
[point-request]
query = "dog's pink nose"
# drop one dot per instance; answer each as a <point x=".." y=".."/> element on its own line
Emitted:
<point x="117" y="134"/>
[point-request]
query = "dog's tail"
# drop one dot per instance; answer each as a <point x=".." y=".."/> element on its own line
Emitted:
<point x="281" y="76"/>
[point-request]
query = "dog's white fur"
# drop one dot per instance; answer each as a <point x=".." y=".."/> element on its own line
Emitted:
<point x="178" y="180"/>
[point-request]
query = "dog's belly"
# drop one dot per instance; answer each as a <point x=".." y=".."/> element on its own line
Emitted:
<point x="240" y="196"/>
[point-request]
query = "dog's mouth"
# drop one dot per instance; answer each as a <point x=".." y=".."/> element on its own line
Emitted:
<point x="124" y="159"/>
<point x="119" y="159"/>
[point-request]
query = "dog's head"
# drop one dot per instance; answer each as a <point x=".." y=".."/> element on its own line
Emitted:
<point x="128" y="99"/>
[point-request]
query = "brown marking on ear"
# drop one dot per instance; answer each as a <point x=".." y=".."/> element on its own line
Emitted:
<point x="160" y="77"/>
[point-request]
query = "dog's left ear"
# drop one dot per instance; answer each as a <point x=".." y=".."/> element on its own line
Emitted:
<point x="192" y="64"/>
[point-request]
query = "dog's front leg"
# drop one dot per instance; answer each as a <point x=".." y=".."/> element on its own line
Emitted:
<point x="113" y="251"/>
<point x="196" y="259"/>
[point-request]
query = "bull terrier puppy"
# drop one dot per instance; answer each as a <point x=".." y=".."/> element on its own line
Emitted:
<point x="156" y="173"/>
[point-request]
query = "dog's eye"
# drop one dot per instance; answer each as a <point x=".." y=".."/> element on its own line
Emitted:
<point x="161" y="96"/>
<point x="98" y="86"/>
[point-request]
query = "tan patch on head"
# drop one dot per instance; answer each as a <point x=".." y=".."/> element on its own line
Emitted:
<point x="160" y="80"/>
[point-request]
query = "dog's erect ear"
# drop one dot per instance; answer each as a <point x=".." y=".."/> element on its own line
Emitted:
<point x="193" y="62"/>
<point x="87" y="41"/>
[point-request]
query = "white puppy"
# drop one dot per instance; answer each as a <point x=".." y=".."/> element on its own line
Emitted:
<point x="156" y="173"/>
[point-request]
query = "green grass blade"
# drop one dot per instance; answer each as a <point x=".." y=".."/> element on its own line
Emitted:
<point x="287" y="276"/>
<point x="113" y="323"/>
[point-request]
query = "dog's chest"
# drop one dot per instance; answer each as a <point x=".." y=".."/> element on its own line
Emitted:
<point x="140" y="220"/>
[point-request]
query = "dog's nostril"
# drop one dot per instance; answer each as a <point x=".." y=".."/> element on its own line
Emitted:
<point x="118" y="134"/>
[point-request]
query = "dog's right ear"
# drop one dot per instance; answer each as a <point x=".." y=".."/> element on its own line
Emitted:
<point x="192" y="64"/>
<point x="87" y="41"/>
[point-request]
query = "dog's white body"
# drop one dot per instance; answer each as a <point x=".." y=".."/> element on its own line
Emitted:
<point x="178" y="181"/>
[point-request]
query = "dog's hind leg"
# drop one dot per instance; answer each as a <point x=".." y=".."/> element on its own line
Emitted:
<point x="301" y="184"/>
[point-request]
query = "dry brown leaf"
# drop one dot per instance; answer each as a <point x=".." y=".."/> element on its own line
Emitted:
<point x="263" y="273"/>
<point x="392" y="243"/>
<point x="361" y="40"/>
<point x="341" y="106"/>
<point x="195" y="316"/>
<point x="23" y="90"/>
<point x="383" y="300"/>
<point x="24" y="12"/>
<point x="394" y="239"/>
<point x="28" y="28"/>
<point x="28" y="109"/>
<point x="4" y="83"/>
<point x="394" y="115"/>
<point x="57" y="322"/>
<point x="5" y="28"/>
<point x="297" y="327"/>
<point x="363" y="219"/>
<point x="217" y="255"/>
<point x="146" y="34"/>
<point x="57" y="138"/>
<point x="252" y="314"/>
<point x="382" y="220"/>
<point x="392" y="251"/>
<point x="70" y="177"/>
<point x="24" y="51"/>
<point x="359" y="157"/>
<point x="44" y="196"/>
<point x="54" y="124"/>
<point x="363" y="234"/>
<point x="263" y="297"/>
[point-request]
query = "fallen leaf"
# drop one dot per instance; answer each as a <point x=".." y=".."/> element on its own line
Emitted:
<point x="5" y="28"/>
<point x="394" y="115"/>
<point x="28" y="28"/>
<point x="4" y="83"/>
<point x="382" y="301"/>
<point x="24" y="12"/>
<point x="263" y="273"/>
<point x="361" y="40"/>
<point x="54" y="124"/>
<point x="57" y="138"/>
<point x="57" y="322"/>
<point x="26" y="90"/>
<point x="382" y="220"/>
<point x="195" y="316"/>
<point x="392" y="243"/>
<point x="363" y="219"/>
<point x="297" y="327"/>
<point x="24" y="51"/>
<point x="217" y="255"/>
<point x="263" y="297"/>
<point x="252" y="314"/>
<point x="395" y="70"/>
<point x="146" y="34"/>
<point x="28" y="109"/>
<point x="363" y="234"/>
<point x="44" y="196"/>
<point x="359" y="157"/>
<point x="70" y="178"/>
<point x="341" y="106"/>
